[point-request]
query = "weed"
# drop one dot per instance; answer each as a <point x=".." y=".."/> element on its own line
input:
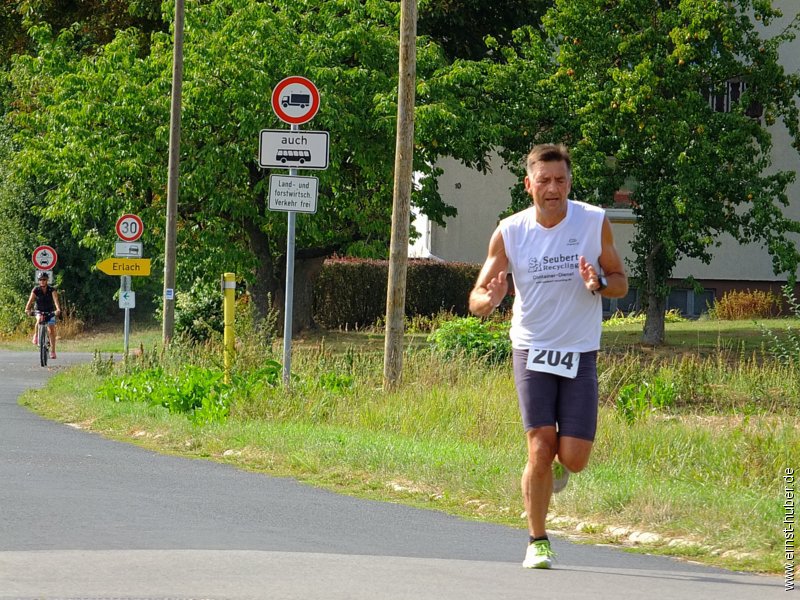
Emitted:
<point x="214" y="409"/>
<point x="102" y="366"/>
<point x="786" y="348"/>
<point x="636" y="401"/>
<point x="673" y="315"/>
<point x="69" y="324"/>
<point x="335" y="382"/>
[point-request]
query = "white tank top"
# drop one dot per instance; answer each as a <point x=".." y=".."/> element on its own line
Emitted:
<point x="552" y="308"/>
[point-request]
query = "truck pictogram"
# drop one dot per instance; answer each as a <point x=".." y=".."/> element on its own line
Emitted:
<point x="301" y="100"/>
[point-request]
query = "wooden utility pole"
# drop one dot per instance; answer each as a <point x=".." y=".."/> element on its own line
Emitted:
<point x="172" y="179"/>
<point x="401" y="206"/>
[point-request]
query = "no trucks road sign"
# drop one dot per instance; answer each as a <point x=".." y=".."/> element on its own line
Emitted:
<point x="295" y="100"/>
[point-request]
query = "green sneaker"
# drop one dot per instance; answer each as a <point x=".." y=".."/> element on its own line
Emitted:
<point x="560" y="477"/>
<point x="539" y="555"/>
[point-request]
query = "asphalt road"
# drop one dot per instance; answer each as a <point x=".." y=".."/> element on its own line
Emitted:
<point x="84" y="517"/>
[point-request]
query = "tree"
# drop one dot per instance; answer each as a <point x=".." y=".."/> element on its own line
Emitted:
<point x="634" y="90"/>
<point x="94" y="130"/>
<point x="95" y="22"/>
<point x="90" y="24"/>
<point x="460" y="26"/>
<point x="22" y="228"/>
<point x="15" y="244"/>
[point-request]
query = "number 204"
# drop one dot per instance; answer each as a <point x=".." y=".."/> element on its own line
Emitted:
<point x="553" y="358"/>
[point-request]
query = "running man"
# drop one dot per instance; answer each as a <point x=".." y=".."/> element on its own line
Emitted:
<point x="562" y="257"/>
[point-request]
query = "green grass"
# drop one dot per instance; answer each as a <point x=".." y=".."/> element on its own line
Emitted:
<point x="702" y="335"/>
<point x="705" y="468"/>
<point x="109" y="337"/>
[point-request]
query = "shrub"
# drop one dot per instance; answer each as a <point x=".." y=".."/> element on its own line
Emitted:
<point x="473" y="337"/>
<point x="739" y="305"/>
<point x="350" y="293"/>
<point x="198" y="312"/>
<point x="434" y="286"/>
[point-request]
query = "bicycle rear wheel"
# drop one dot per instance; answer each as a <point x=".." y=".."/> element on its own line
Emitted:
<point x="44" y="344"/>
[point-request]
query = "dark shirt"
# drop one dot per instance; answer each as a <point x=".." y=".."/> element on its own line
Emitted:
<point x="44" y="299"/>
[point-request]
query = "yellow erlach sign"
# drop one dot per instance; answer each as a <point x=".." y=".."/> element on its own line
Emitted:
<point x="135" y="267"/>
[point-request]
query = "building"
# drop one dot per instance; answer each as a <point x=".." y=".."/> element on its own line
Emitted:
<point x="481" y="198"/>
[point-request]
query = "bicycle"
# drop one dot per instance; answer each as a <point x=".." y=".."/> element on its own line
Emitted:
<point x="43" y="334"/>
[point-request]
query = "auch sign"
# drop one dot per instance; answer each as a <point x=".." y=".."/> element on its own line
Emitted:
<point x="136" y="267"/>
<point x="282" y="149"/>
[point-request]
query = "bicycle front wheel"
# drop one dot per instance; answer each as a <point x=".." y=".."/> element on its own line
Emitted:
<point x="44" y="345"/>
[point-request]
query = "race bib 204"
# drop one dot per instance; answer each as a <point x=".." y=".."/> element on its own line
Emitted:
<point x="556" y="362"/>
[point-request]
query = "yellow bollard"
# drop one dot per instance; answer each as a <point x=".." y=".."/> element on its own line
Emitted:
<point x="228" y="317"/>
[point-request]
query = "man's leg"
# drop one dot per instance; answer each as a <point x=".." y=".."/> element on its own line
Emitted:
<point x="537" y="478"/>
<point x="577" y="415"/>
<point x="574" y="453"/>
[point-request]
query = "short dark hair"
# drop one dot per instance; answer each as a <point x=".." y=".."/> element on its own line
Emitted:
<point x="548" y="153"/>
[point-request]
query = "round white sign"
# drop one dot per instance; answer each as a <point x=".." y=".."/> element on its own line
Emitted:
<point x="129" y="228"/>
<point x="44" y="258"/>
<point x="295" y="100"/>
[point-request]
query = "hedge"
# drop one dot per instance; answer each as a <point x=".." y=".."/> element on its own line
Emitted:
<point x="351" y="293"/>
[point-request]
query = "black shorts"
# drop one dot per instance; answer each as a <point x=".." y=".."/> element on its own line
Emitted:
<point x="568" y="404"/>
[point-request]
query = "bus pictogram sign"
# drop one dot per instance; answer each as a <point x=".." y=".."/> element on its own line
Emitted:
<point x="281" y="149"/>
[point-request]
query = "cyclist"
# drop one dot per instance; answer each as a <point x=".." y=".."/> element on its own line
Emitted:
<point x="46" y="299"/>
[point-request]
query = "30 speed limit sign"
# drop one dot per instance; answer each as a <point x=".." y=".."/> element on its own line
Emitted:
<point x="129" y="228"/>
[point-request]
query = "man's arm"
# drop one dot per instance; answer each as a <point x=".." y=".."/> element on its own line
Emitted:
<point x="610" y="263"/>
<point x="492" y="284"/>
<point x="57" y="302"/>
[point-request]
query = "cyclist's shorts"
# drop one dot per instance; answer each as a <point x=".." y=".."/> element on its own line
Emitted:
<point x="52" y="319"/>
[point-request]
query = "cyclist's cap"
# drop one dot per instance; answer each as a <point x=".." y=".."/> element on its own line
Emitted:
<point x="43" y="276"/>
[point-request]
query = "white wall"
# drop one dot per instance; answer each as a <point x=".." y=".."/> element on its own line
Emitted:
<point x="479" y="198"/>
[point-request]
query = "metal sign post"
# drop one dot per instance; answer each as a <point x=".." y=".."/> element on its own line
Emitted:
<point x="295" y="101"/>
<point x="127" y="262"/>
<point x="125" y="288"/>
<point x="287" y="309"/>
